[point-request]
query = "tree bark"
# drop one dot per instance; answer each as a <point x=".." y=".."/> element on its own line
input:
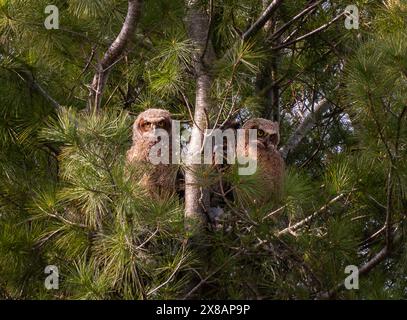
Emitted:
<point x="274" y="91"/>
<point x="270" y="94"/>
<point x="113" y="54"/>
<point x="197" y="197"/>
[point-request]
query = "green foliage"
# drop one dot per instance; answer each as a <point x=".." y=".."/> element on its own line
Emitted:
<point x="107" y="237"/>
<point x="67" y="198"/>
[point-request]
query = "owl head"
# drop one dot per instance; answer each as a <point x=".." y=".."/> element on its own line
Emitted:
<point x="148" y="123"/>
<point x="268" y="135"/>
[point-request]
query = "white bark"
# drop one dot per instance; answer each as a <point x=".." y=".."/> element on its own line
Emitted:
<point x="196" y="197"/>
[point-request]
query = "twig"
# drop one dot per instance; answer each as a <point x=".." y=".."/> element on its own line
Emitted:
<point x="305" y="36"/>
<point x="171" y="276"/>
<point x="313" y="215"/>
<point x="190" y="110"/>
<point x="295" y="18"/>
<point x="56" y="216"/>
<point x="147" y="240"/>
<point x="373" y="236"/>
<point x="210" y="275"/>
<point x="29" y="78"/>
<point x="271" y="214"/>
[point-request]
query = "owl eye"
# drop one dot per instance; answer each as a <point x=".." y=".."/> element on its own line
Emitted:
<point x="260" y="133"/>
<point x="145" y="125"/>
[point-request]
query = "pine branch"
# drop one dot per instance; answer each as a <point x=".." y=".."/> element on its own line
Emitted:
<point x="258" y="24"/>
<point x="299" y="224"/>
<point x="390" y="241"/>
<point x="29" y="78"/>
<point x="261" y="21"/>
<point x="26" y="75"/>
<point x="114" y="54"/>
<point x="285" y="26"/>
<point x="313" y="32"/>
<point x="363" y="270"/>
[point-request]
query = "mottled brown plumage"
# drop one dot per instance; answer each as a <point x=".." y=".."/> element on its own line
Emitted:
<point x="270" y="164"/>
<point x="157" y="179"/>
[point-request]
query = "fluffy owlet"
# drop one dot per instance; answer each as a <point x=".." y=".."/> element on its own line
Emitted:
<point x="270" y="164"/>
<point x="157" y="179"/>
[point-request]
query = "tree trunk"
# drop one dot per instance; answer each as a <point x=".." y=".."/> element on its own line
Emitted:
<point x="196" y="197"/>
<point x="267" y="81"/>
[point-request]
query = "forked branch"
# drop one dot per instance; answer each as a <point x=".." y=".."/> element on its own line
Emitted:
<point x="114" y="54"/>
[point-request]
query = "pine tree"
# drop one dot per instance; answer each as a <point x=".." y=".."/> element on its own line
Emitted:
<point x="68" y="97"/>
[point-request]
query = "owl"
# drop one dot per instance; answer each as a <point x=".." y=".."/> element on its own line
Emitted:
<point x="270" y="164"/>
<point x="158" y="180"/>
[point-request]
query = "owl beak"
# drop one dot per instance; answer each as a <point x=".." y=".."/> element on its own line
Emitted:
<point x="266" y="142"/>
<point x="271" y="140"/>
<point x="155" y="135"/>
